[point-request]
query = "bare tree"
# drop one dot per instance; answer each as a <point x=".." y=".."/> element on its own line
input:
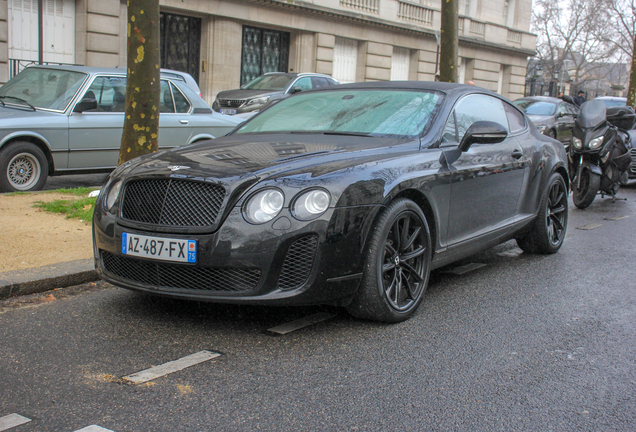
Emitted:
<point x="141" y="125"/>
<point x="572" y="35"/>
<point x="620" y="16"/>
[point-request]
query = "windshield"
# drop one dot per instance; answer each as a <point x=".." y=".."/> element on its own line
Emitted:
<point x="397" y="113"/>
<point x="531" y="107"/>
<point x="268" y="82"/>
<point x="592" y="114"/>
<point x="43" y="88"/>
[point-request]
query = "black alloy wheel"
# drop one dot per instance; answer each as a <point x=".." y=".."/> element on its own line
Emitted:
<point x="548" y="232"/>
<point x="556" y="217"/>
<point x="397" y="265"/>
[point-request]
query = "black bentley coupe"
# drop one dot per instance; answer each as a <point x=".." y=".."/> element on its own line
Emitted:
<point x="348" y="195"/>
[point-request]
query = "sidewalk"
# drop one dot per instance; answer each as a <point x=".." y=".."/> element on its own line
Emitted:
<point x="41" y="251"/>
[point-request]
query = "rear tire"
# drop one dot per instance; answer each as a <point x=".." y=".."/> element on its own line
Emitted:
<point x="23" y="167"/>
<point x="590" y="183"/>
<point x="397" y="265"/>
<point x="548" y="232"/>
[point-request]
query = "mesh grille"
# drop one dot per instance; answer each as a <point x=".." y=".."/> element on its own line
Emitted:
<point x="172" y="202"/>
<point x="632" y="167"/>
<point x="231" y="103"/>
<point x="180" y="276"/>
<point x="298" y="262"/>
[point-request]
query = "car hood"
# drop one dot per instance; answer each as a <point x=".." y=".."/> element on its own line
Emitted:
<point x="237" y="158"/>
<point x="17" y="117"/>
<point x="245" y="94"/>
<point x="540" y="120"/>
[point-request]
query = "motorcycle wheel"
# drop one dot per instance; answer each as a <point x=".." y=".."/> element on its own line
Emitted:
<point x="584" y="195"/>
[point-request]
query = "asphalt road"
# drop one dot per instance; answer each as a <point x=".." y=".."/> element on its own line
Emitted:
<point x="524" y="343"/>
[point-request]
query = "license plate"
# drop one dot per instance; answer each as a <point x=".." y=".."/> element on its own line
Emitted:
<point x="228" y="111"/>
<point x="159" y="248"/>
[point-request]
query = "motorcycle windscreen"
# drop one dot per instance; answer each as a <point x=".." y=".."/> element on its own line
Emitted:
<point x="592" y="114"/>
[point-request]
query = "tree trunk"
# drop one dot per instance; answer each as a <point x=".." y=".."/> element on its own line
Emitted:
<point x="448" y="42"/>
<point x="631" y="92"/>
<point x="141" y="125"/>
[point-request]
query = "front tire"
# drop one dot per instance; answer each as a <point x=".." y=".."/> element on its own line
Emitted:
<point x="397" y="265"/>
<point x="548" y="232"/>
<point x="23" y="167"/>
<point x="590" y="184"/>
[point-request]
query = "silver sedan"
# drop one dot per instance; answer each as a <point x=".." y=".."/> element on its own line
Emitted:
<point x="58" y="120"/>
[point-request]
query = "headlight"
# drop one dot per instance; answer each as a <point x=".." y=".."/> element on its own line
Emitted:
<point x="577" y="143"/>
<point x="541" y="128"/>
<point x="258" y="101"/>
<point x="113" y="194"/>
<point x="263" y="206"/>
<point x="596" y="143"/>
<point x="310" y="205"/>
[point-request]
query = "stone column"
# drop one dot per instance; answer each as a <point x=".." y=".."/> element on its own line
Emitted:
<point x="379" y="58"/>
<point x="225" y="65"/>
<point x="325" y="44"/>
<point x="4" y="39"/>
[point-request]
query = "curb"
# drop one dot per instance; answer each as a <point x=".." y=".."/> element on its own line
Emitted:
<point x="40" y="279"/>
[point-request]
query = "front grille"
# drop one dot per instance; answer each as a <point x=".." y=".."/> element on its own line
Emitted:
<point x="632" y="167"/>
<point x="298" y="262"/>
<point x="172" y="202"/>
<point x="175" y="276"/>
<point x="231" y="103"/>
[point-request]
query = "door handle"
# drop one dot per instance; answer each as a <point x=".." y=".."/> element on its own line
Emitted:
<point x="517" y="154"/>
<point x="183" y="122"/>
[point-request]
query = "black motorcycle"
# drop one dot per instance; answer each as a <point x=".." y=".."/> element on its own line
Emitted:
<point x="599" y="156"/>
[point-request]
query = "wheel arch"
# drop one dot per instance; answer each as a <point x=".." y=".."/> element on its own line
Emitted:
<point x="200" y="137"/>
<point x="34" y="139"/>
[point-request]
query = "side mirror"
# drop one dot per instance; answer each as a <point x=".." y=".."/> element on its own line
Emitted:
<point x="85" y="104"/>
<point x="296" y="89"/>
<point x="483" y="132"/>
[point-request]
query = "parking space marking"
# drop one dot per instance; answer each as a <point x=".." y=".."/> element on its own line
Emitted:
<point x="300" y="323"/>
<point x="12" y="420"/>
<point x="590" y="226"/>
<point x="465" y="268"/>
<point x="94" y="428"/>
<point x="170" y="367"/>
<point x="616" y="218"/>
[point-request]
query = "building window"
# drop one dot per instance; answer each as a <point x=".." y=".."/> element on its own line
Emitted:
<point x="180" y="43"/>
<point x="400" y="64"/>
<point x="263" y="51"/>
<point x="345" y="60"/>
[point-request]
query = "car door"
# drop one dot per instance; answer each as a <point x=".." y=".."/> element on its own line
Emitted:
<point x="175" y="129"/>
<point x="486" y="180"/>
<point x="95" y="133"/>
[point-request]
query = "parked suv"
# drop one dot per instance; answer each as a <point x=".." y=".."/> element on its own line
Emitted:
<point x="261" y="92"/>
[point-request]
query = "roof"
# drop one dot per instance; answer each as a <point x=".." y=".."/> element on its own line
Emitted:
<point x="542" y="99"/>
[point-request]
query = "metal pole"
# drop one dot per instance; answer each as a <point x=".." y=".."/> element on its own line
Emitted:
<point x="40" y="32"/>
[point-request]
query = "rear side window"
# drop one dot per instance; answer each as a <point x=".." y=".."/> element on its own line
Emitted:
<point x="516" y="120"/>
<point x="320" y="82"/>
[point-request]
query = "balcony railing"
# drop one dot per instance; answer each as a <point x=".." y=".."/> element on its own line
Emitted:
<point x="514" y="36"/>
<point x="478" y="28"/>
<point x="17" y="65"/>
<point x="372" y="6"/>
<point x="412" y="12"/>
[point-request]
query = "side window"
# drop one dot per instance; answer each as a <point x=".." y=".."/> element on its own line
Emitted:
<point x="166" y="104"/>
<point x="516" y="120"/>
<point x="109" y="94"/>
<point x="181" y="103"/>
<point x="474" y="108"/>
<point x="450" y="131"/>
<point x="319" y="82"/>
<point x="304" y="83"/>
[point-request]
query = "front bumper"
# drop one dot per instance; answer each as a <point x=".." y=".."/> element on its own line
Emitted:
<point x="283" y="262"/>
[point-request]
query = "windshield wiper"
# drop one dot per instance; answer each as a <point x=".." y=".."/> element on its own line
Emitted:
<point x="362" y="134"/>
<point x="16" y="99"/>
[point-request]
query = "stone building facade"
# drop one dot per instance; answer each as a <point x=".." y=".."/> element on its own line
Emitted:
<point x="224" y="43"/>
